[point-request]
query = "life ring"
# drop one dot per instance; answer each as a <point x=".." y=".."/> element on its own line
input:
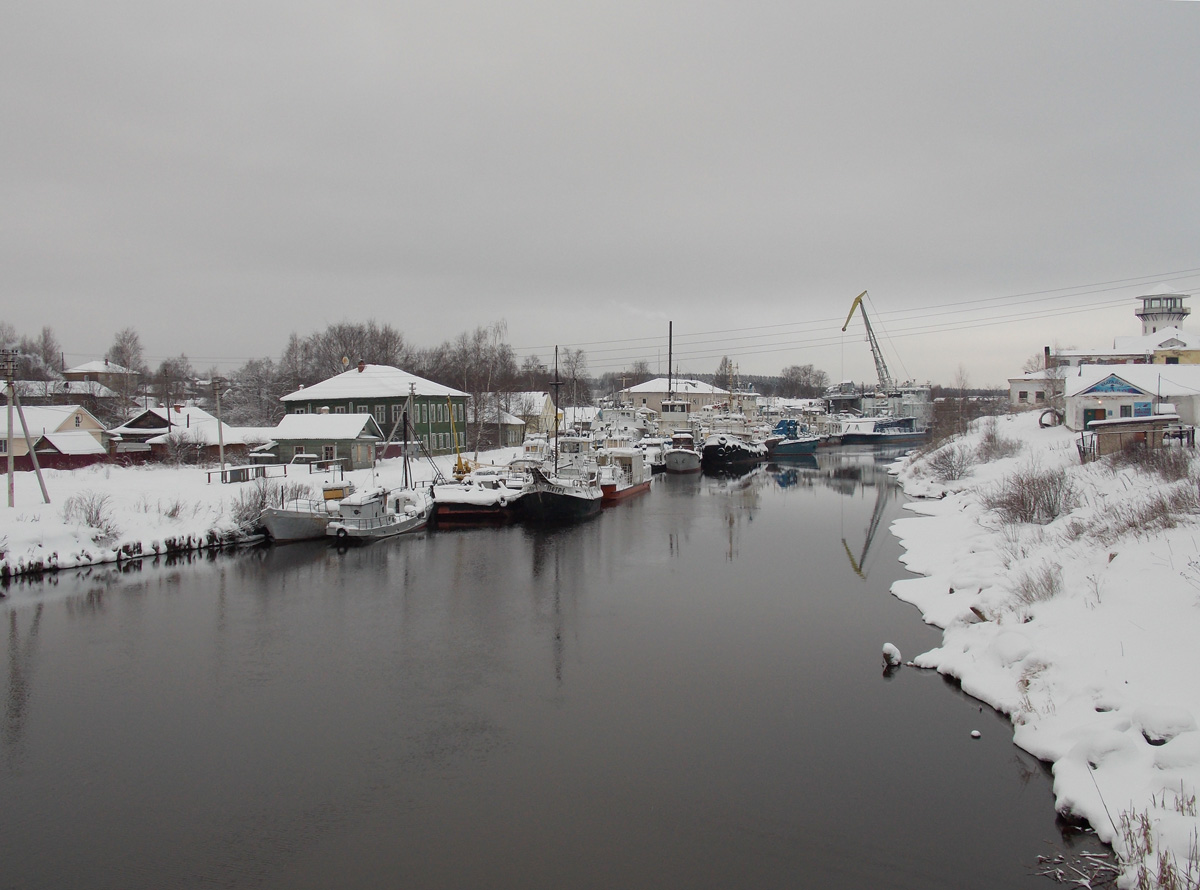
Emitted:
<point x="342" y="534"/>
<point x="503" y="501"/>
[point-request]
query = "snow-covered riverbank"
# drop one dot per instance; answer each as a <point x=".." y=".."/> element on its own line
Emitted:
<point x="1082" y="628"/>
<point x="105" y="513"/>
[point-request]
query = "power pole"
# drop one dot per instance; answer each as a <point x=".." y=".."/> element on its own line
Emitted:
<point x="8" y="364"/>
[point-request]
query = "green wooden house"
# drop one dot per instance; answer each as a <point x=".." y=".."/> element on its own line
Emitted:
<point x="436" y="416"/>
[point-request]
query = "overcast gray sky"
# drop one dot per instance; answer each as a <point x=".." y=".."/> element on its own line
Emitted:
<point x="220" y="174"/>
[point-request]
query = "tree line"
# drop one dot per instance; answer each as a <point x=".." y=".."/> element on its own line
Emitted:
<point x="478" y="362"/>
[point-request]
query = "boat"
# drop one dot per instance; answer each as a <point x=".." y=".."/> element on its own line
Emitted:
<point x="882" y="431"/>
<point x="378" y="513"/>
<point x="557" y="498"/>
<point x="622" y="473"/>
<point x="725" y="451"/>
<point x="304" y="519"/>
<point x="682" y="456"/>
<point x="792" y="439"/>
<point x="485" y="496"/>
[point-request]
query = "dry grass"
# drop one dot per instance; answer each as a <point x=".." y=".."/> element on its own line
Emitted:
<point x="94" y="510"/>
<point x="992" y="446"/>
<point x="1032" y="495"/>
<point x="249" y="503"/>
<point x="1038" y="585"/>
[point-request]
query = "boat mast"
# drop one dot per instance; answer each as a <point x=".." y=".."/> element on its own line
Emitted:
<point x="670" y="341"/>
<point x="555" y="384"/>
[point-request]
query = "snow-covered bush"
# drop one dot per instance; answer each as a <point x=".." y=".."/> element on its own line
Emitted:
<point x="950" y="462"/>
<point x="1032" y="495"/>
<point x="992" y="446"/>
<point x="1038" y="585"/>
<point x="93" y="510"/>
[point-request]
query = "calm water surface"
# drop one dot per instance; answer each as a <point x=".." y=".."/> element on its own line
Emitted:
<point x="685" y="692"/>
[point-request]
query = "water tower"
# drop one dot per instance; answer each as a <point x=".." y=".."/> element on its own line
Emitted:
<point x="1162" y="310"/>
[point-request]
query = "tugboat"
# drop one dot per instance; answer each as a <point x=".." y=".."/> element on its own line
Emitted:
<point x="681" y="456"/>
<point x="725" y="451"/>
<point x="553" y="499"/>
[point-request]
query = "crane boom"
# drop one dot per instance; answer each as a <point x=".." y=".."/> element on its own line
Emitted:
<point x="881" y="368"/>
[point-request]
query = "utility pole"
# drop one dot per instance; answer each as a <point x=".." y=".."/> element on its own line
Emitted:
<point x="217" y="383"/>
<point x="8" y="364"/>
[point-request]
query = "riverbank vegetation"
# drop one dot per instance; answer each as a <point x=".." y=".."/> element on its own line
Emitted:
<point x="1068" y="597"/>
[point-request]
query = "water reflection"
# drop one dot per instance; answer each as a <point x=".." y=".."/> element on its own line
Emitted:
<point x="684" y="692"/>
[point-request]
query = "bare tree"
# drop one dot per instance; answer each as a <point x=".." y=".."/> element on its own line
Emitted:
<point x="126" y="351"/>
<point x="574" y="370"/>
<point x="803" y="382"/>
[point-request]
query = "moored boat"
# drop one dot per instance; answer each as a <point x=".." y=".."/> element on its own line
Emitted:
<point x="304" y="519"/>
<point x="792" y="439"/>
<point x="557" y="498"/>
<point x="725" y="451"/>
<point x="622" y="473"/>
<point x="378" y="513"/>
<point x="682" y="455"/>
<point x="485" y="496"/>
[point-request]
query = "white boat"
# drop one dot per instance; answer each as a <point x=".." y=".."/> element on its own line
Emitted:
<point x="305" y="519"/>
<point x="682" y="456"/>
<point x="379" y="513"/>
<point x="622" y="473"/>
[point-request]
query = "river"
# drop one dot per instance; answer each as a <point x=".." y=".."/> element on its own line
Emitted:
<point x="683" y="692"/>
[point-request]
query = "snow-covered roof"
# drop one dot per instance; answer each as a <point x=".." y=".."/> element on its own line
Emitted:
<point x="1034" y="377"/>
<point x="29" y="389"/>
<point x="40" y="419"/>
<point x="1165" y="338"/>
<point x="189" y="420"/>
<point x="372" y="382"/>
<point x="679" y="385"/>
<point x="75" y="442"/>
<point x="326" y="427"/>
<point x="1161" y="380"/>
<point x="100" y="366"/>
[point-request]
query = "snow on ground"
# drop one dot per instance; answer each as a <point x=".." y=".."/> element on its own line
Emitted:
<point x="149" y="509"/>
<point x="1083" y="629"/>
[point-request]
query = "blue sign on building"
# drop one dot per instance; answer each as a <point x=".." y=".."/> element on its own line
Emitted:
<point x="1142" y="409"/>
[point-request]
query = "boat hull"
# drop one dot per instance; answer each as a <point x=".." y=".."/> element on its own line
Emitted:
<point x="285" y="526"/>
<point x="551" y="502"/>
<point x="795" y="447"/>
<point x="681" y="461"/>
<point x="449" y="515"/>
<point x="904" y="438"/>
<point x="349" y="531"/>
<point x="724" y="452"/>
<point x="611" y="494"/>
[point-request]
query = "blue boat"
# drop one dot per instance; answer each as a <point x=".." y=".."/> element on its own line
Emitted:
<point x="792" y="439"/>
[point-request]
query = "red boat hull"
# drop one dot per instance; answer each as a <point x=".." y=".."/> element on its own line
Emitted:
<point x="609" y="494"/>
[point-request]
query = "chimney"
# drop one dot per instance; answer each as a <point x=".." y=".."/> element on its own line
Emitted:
<point x="362" y="366"/>
<point x="1046" y="361"/>
<point x="178" y="408"/>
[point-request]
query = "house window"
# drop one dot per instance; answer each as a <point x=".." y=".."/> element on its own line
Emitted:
<point x="425" y="440"/>
<point x="300" y="411"/>
<point x="381" y="413"/>
<point x="339" y="409"/>
<point x="424" y="412"/>
<point x="1172" y="359"/>
<point x="1039" y="396"/>
<point x="1023" y="396"/>
<point x="1127" y="410"/>
<point x="299" y="449"/>
<point x="397" y="410"/>
<point x="3" y="446"/>
<point x="328" y="452"/>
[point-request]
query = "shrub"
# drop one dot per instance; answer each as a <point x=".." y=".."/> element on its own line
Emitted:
<point x="1039" y="585"/>
<point x="993" y="446"/>
<point x="1032" y="495"/>
<point x="950" y="462"/>
<point x="1171" y="464"/>
<point x="93" y="510"/>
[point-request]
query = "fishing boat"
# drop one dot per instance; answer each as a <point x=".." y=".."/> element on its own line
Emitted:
<point x="682" y="456"/>
<point x="622" y="473"/>
<point x="559" y="498"/>
<point x="792" y="439"/>
<point x="725" y="451"/>
<point x="485" y="496"/>
<point x="304" y="519"/>
<point x="378" y="513"/>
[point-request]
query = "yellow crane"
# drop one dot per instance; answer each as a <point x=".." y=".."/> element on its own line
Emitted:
<point x="885" y="376"/>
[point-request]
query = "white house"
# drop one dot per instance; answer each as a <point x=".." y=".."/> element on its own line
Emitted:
<point x="651" y="394"/>
<point x="1111" y="392"/>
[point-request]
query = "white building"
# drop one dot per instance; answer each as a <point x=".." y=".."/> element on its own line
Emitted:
<point x="1108" y="392"/>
